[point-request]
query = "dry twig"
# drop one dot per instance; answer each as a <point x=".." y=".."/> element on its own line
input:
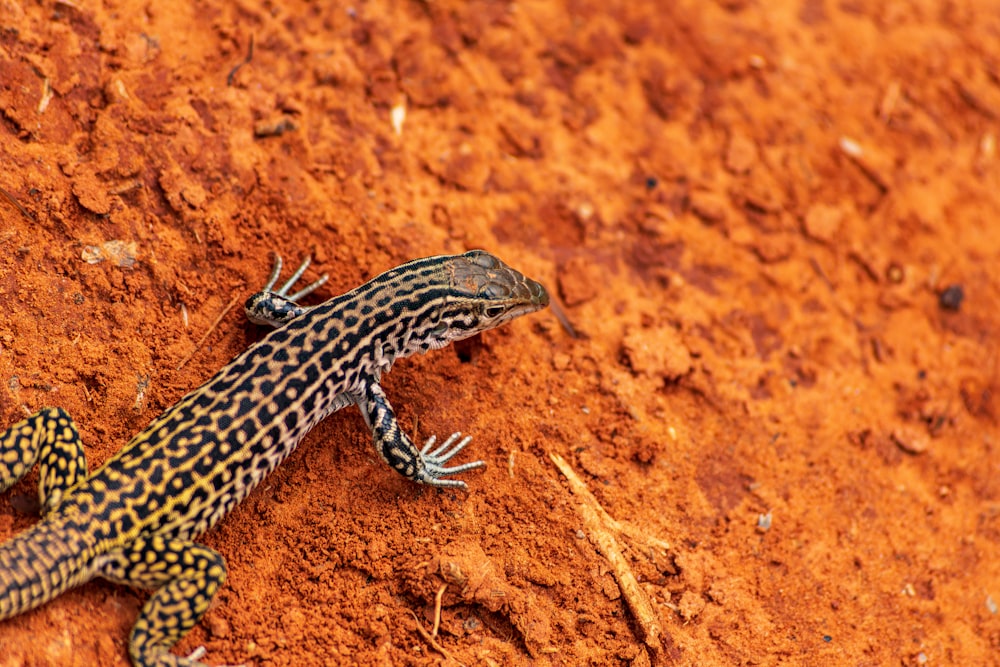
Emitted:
<point x="245" y="61"/>
<point x="212" y="328"/>
<point x="430" y="639"/>
<point x="437" y="610"/>
<point x="599" y="526"/>
<point x="16" y="203"/>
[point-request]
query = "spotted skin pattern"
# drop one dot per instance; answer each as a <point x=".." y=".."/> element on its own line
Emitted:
<point x="134" y="519"/>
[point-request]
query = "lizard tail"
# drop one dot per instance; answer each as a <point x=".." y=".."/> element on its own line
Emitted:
<point x="40" y="563"/>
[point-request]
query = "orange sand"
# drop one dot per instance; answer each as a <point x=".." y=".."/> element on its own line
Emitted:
<point x="749" y="210"/>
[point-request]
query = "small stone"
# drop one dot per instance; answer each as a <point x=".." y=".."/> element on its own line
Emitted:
<point x="92" y="193"/>
<point x="577" y="281"/>
<point x="273" y="127"/>
<point x="217" y="626"/>
<point x="822" y="222"/>
<point x="910" y="440"/>
<point x="690" y="605"/>
<point x="660" y="351"/>
<point x="560" y="361"/>
<point x="951" y="298"/>
<point x="741" y="155"/>
<point x="708" y="206"/>
<point x="895" y="274"/>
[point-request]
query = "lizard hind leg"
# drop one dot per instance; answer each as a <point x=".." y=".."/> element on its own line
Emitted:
<point x="50" y="437"/>
<point x="185" y="577"/>
<point x="61" y="461"/>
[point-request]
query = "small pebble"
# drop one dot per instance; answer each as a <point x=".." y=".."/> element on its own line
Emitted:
<point x="910" y="440"/>
<point x="951" y="298"/>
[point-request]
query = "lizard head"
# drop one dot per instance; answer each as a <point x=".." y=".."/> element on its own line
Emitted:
<point x="474" y="292"/>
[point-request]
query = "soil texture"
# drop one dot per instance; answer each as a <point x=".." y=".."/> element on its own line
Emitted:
<point x="769" y="434"/>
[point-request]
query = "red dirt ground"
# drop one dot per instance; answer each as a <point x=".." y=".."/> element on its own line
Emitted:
<point x="751" y="212"/>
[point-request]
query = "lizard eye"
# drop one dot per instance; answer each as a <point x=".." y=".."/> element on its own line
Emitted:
<point x="494" y="311"/>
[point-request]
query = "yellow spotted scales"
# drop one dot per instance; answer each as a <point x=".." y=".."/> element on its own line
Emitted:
<point x="134" y="519"/>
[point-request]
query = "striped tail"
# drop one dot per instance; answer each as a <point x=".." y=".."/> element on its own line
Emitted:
<point x="40" y="563"/>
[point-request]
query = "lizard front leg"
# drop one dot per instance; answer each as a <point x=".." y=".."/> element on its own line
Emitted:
<point x="424" y="466"/>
